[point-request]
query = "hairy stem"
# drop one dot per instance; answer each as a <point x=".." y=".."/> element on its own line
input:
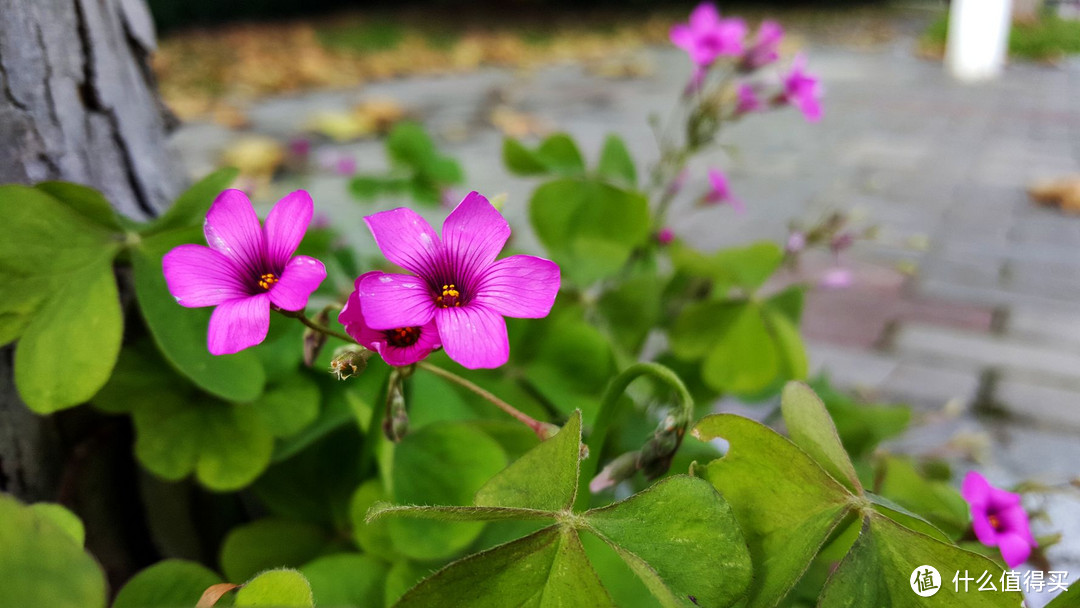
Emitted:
<point x="543" y="430"/>
<point x="301" y="316"/>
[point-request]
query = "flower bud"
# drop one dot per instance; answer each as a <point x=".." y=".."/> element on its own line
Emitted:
<point x="616" y="471"/>
<point x="655" y="457"/>
<point x="396" y="423"/>
<point x="349" y="361"/>
<point x="315" y="340"/>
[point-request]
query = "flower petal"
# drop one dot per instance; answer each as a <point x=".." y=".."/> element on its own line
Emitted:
<point x="975" y="489"/>
<point x="1014" y="549"/>
<point x="473" y="235"/>
<point x="704" y="17"/>
<point x="474" y="336"/>
<point x="238" y="324"/>
<point x="199" y="276"/>
<point x="682" y="37"/>
<point x="406" y="239"/>
<point x="350" y="314"/>
<point x="1015" y="519"/>
<point x="520" y="286"/>
<point x="286" y="225"/>
<point x="395" y="300"/>
<point x="984" y="531"/>
<point x="301" y="277"/>
<point x="233" y="229"/>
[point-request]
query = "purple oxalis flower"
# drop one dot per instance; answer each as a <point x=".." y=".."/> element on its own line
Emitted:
<point x="246" y="269"/>
<point x="765" y="48"/>
<point x="999" y="519"/>
<point x="720" y="192"/>
<point x="707" y="36"/>
<point x="747" y="100"/>
<point x="458" y="282"/>
<point x="802" y="90"/>
<point x="399" y="346"/>
<point x="837" y="278"/>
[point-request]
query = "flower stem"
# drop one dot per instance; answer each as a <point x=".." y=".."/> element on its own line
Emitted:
<point x="543" y="430"/>
<point x="303" y="318"/>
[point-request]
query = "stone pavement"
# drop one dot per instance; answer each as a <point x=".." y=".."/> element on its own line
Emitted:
<point x="989" y="323"/>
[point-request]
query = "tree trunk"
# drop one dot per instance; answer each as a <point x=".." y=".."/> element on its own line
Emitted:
<point x="78" y="102"/>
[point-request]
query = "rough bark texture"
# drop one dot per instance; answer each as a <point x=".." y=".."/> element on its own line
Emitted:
<point x="77" y="103"/>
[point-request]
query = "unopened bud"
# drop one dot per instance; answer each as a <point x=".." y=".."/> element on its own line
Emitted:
<point x="349" y="361"/>
<point x="396" y="423"/>
<point x="616" y="471"/>
<point x="655" y="457"/>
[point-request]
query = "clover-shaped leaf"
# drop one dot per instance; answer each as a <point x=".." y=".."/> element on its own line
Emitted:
<point x="790" y="496"/>
<point x="679" y="537"/>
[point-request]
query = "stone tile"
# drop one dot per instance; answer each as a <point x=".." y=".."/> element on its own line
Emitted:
<point x="930" y="386"/>
<point x="1040" y="404"/>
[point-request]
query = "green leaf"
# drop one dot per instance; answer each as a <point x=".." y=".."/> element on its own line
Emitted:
<point x="861" y="426"/>
<point x="409" y="144"/>
<point x="810" y="428"/>
<point x="441" y="464"/>
<point x="937" y="501"/>
<point x="277" y="588"/>
<point x="286" y="408"/>
<point x="589" y="227"/>
<point x="40" y="236"/>
<point x="173" y="582"/>
<point x="786" y="505"/>
<point x="560" y="154"/>
<point x="520" y="160"/>
<point x="69" y="348"/>
<point x="1068" y="599"/>
<point x="745" y="359"/>
<point x="180" y="333"/>
<point x="270" y="543"/>
<point x="371" y="536"/>
<point x="226" y="445"/>
<point x="403" y="575"/>
<point x="547" y="568"/>
<point x="346" y="579"/>
<point x="615" y="162"/>
<point x="648" y="529"/>
<point x="750" y="266"/>
<point x="63" y="519"/>
<point x="788" y="302"/>
<point x="789" y="344"/>
<point x="42" y="563"/>
<point x="632" y="309"/>
<point x="877" y="571"/>
<point x="189" y="209"/>
<point x="87" y="201"/>
<point x="545" y="478"/>
<point x="701" y="325"/>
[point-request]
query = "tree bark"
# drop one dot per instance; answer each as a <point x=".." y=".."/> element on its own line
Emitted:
<point x="79" y="103"/>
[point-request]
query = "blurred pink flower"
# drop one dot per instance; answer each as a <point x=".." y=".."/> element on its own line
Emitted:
<point x="457" y="280"/>
<point x="706" y="36"/>
<point x="300" y="147"/>
<point x="665" y="235"/>
<point x="720" y="192"/>
<point x="747" y="99"/>
<point x="802" y="90"/>
<point x="247" y="268"/>
<point x="796" y="242"/>
<point x="765" y="48"/>
<point x="998" y="518"/>
<point x="837" y="278"/>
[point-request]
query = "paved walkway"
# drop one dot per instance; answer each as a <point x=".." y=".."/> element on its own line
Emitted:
<point x="989" y="322"/>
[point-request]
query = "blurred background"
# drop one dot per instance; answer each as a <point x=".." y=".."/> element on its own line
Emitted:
<point x="964" y="304"/>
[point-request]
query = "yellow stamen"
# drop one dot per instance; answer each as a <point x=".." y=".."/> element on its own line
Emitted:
<point x="267" y="280"/>
<point x="449" y="297"/>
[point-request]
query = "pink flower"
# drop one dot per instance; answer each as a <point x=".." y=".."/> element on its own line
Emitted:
<point x="802" y="90"/>
<point x="765" y="48"/>
<point x="246" y="269"/>
<point x="665" y="235"/>
<point x="747" y="100"/>
<point x="721" y="192"/>
<point x="999" y="519"/>
<point x="796" y="242"/>
<point x="837" y="278"/>
<point x="707" y="36"/>
<point x="457" y="281"/>
<point x="399" y="346"/>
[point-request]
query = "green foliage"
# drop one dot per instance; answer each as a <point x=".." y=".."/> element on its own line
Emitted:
<point x="675" y="537"/>
<point x="270" y="543"/>
<point x="346" y="580"/>
<point x="278" y="589"/>
<point x="558" y="154"/>
<point x="43" y="565"/>
<point x="168" y="583"/>
<point x="790" y="497"/>
<point x="616" y="164"/>
<point x="418" y="169"/>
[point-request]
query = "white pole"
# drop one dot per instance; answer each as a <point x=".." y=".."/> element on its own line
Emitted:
<point x="978" y="38"/>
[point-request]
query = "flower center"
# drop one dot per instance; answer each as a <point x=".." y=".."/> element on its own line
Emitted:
<point x="402" y="337"/>
<point x="995" y="522"/>
<point x="450" y="297"/>
<point x="267" y="280"/>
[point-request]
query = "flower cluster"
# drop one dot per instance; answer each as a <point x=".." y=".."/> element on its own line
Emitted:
<point x="456" y="297"/>
<point x="707" y="37"/>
